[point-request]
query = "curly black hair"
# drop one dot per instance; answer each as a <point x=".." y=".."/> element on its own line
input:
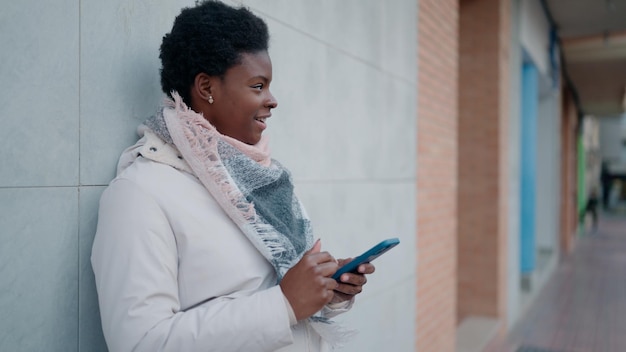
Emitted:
<point x="209" y="38"/>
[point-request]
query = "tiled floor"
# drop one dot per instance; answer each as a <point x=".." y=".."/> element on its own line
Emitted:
<point x="582" y="308"/>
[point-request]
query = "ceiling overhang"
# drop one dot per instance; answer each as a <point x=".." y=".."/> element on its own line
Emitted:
<point x="593" y="42"/>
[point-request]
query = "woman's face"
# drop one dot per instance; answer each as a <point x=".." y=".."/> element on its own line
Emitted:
<point x="242" y="99"/>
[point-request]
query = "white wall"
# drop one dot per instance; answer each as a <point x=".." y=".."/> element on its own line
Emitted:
<point x="547" y="211"/>
<point x="79" y="76"/>
<point x="345" y="79"/>
<point x="535" y="33"/>
<point x="612" y="131"/>
<point x="514" y="143"/>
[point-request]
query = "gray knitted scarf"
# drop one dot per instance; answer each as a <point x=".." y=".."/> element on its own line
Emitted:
<point x="258" y="198"/>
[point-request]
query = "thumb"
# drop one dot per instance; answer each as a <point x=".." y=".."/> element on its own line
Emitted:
<point x="317" y="246"/>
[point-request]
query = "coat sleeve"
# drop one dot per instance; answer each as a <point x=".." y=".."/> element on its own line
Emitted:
<point x="135" y="263"/>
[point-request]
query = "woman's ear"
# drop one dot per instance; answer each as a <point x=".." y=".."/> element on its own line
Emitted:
<point x="202" y="94"/>
<point x="202" y="86"/>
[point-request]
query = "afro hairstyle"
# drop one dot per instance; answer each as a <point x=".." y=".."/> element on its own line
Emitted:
<point x="209" y="38"/>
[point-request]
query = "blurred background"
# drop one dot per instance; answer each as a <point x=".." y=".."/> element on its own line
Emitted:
<point x="482" y="133"/>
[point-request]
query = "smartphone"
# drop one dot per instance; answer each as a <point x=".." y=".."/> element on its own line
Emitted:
<point x="371" y="254"/>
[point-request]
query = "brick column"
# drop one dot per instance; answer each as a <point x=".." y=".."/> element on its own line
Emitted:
<point x="437" y="174"/>
<point x="569" y="189"/>
<point x="483" y="129"/>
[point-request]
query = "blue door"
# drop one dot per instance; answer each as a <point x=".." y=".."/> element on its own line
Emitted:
<point x="530" y="98"/>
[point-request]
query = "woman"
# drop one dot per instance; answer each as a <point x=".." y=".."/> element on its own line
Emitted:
<point x="201" y="244"/>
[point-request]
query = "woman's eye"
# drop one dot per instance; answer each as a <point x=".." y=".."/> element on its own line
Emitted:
<point x="258" y="86"/>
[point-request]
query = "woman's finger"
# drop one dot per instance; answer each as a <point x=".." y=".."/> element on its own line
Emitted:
<point x="353" y="279"/>
<point x="367" y="268"/>
<point x="349" y="289"/>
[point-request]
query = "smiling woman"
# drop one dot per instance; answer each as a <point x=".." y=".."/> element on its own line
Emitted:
<point x="238" y="103"/>
<point x="201" y="243"/>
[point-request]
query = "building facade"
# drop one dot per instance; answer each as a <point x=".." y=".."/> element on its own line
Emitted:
<point x="445" y="123"/>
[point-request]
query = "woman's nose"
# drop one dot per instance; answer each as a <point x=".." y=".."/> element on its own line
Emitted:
<point x="271" y="103"/>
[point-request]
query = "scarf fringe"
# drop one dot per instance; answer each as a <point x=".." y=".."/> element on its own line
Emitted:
<point x="335" y="335"/>
<point x="198" y="141"/>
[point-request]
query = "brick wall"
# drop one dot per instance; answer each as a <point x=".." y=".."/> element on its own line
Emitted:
<point x="504" y="80"/>
<point x="437" y="174"/>
<point x="569" y="217"/>
<point x="483" y="128"/>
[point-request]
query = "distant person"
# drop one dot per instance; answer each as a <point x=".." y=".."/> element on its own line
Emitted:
<point x="606" y="180"/>
<point x="591" y="208"/>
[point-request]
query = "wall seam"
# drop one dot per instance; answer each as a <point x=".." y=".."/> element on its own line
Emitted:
<point x="78" y="211"/>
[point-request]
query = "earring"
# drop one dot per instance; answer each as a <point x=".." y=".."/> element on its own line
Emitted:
<point x="210" y="99"/>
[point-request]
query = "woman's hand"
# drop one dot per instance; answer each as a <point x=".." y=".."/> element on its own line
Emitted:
<point x="308" y="285"/>
<point x="351" y="284"/>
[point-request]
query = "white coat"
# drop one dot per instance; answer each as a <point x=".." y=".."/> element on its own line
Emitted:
<point x="174" y="273"/>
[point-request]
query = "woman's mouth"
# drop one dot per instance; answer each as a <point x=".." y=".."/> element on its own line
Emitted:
<point x="261" y="122"/>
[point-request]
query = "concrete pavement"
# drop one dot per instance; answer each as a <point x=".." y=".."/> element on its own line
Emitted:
<point x="582" y="308"/>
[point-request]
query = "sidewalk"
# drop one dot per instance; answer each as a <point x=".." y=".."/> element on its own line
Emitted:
<point x="582" y="308"/>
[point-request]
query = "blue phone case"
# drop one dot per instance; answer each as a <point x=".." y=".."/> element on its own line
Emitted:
<point x="367" y="257"/>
